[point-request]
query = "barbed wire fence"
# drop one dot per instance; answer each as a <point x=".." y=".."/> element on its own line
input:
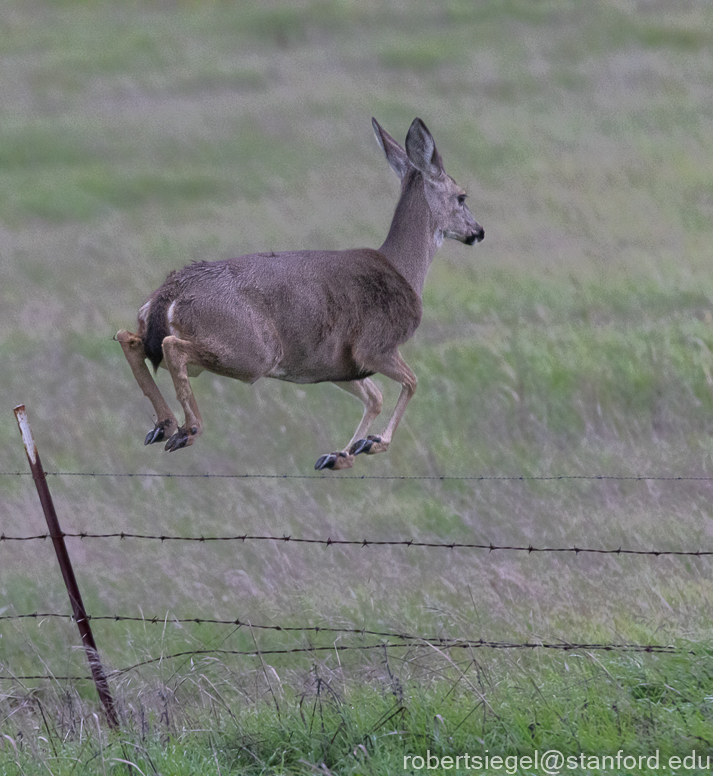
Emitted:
<point x="401" y="641"/>
<point x="364" y="543"/>
<point x="387" y="639"/>
<point x="398" y="477"/>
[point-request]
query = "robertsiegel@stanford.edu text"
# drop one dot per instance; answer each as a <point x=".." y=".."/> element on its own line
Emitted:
<point x="553" y="762"/>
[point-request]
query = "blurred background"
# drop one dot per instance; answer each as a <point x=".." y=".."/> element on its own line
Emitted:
<point x="576" y="340"/>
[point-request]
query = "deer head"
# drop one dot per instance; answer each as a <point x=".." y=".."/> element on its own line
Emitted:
<point x="450" y="215"/>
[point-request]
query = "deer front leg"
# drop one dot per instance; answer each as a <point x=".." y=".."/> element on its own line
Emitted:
<point x="397" y="370"/>
<point x="166" y="422"/>
<point x="177" y="354"/>
<point x="371" y="397"/>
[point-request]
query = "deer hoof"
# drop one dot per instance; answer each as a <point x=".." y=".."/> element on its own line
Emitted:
<point x="182" y="438"/>
<point x="334" y="461"/>
<point x="365" y="445"/>
<point x="326" y="461"/>
<point x="157" y="433"/>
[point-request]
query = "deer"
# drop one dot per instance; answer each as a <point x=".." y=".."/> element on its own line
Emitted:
<point x="307" y="316"/>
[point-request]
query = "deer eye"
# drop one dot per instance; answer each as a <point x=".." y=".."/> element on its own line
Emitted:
<point x="461" y="199"/>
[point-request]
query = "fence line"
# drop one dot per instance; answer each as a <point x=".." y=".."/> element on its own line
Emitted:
<point x="155" y="620"/>
<point x="404" y="477"/>
<point x="407" y="637"/>
<point x="387" y="640"/>
<point x="563" y="646"/>
<point x="329" y="542"/>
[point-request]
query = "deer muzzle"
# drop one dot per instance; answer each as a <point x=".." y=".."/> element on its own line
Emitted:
<point x="477" y="236"/>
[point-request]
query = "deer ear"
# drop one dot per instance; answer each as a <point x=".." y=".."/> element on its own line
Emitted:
<point x="421" y="150"/>
<point x="395" y="155"/>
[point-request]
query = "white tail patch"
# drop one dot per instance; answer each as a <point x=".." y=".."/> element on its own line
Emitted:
<point x="169" y="318"/>
<point x="144" y="313"/>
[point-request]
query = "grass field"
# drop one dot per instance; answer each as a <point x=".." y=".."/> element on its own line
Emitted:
<point x="576" y="340"/>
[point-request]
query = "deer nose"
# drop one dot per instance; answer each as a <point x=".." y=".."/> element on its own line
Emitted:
<point x="477" y="236"/>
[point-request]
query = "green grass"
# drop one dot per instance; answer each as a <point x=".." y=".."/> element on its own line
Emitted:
<point x="576" y="340"/>
<point x="473" y="703"/>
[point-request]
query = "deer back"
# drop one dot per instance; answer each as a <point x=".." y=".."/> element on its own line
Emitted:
<point x="323" y="315"/>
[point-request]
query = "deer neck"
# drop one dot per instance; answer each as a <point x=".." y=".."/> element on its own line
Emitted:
<point x="413" y="239"/>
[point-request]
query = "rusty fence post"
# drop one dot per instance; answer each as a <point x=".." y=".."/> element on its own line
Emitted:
<point x="80" y="615"/>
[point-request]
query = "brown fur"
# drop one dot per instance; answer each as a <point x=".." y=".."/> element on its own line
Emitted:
<point x="307" y="316"/>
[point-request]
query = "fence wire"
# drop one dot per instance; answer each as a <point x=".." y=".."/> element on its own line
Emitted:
<point x="316" y="629"/>
<point x="156" y="620"/>
<point x="441" y="644"/>
<point x="329" y="542"/>
<point x="340" y="476"/>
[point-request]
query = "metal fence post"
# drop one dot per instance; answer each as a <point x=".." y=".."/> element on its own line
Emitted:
<point x="80" y="615"/>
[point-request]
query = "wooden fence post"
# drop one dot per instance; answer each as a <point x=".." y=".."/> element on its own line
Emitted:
<point x="80" y="615"/>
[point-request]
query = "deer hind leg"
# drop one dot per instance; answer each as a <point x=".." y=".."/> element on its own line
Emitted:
<point x="166" y="422"/>
<point x="371" y="397"/>
<point x="396" y="369"/>
<point x="178" y="354"/>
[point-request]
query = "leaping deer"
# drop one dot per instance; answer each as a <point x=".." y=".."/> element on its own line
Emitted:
<point x="307" y="316"/>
